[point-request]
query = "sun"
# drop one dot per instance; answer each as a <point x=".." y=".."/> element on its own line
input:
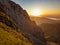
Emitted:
<point x="36" y="12"/>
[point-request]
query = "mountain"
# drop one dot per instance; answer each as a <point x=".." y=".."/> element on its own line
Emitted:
<point x="50" y="26"/>
<point x="46" y="19"/>
<point x="15" y="17"/>
<point x="52" y="31"/>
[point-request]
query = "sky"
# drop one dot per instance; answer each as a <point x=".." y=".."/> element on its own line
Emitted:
<point x="45" y="6"/>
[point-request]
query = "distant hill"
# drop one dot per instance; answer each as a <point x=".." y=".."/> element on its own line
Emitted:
<point x="51" y="27"/>
<point x="52" y="31"/>
<point x="45" y="19"/>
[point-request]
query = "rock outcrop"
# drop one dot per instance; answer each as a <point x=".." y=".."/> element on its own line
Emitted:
<point x="22" y="21"/>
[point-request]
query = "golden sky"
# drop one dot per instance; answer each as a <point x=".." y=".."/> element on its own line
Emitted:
<point x="45" y="6"/>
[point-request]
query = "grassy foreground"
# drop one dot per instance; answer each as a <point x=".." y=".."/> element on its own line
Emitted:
<point x="7" y="38"/>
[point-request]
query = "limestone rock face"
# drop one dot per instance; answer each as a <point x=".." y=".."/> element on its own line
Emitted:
<point x="22" y="20"/>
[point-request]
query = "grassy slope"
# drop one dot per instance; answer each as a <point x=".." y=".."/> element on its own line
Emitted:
<point x="9" y="37"/>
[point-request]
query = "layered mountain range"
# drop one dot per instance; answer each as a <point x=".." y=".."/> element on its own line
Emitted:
<point x="51" y="27"/>
<point x="46" y="19"/>
<point x="14" y="16"/>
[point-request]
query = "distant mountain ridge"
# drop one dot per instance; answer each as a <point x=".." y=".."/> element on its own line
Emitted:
<point x="16" y="17"/>
<point x="51" y="27"/>
<point x="45" y="19"/>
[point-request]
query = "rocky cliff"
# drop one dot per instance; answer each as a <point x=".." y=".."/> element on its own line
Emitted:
<point x="19" y="19"/>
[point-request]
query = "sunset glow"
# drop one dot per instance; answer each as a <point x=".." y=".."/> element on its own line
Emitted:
<point x="45" y="7"/>
<point x="36" y="12"/>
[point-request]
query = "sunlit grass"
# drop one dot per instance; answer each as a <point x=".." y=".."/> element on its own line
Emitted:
<point x="10" y="38"/>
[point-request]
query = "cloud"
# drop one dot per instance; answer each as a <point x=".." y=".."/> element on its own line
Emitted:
<point x="53" y="18"/>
